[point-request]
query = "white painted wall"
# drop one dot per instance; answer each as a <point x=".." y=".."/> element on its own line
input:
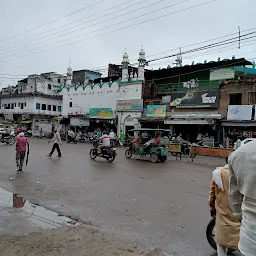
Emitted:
<point x="96" y="97"/>
<point x="30" y="105"/>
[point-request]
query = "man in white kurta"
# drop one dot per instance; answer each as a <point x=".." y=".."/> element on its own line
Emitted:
<point x="242" y="194"/>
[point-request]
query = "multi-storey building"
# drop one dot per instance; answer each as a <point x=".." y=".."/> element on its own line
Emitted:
<point x="186" y="98"/>
<point x="34" y="103"/>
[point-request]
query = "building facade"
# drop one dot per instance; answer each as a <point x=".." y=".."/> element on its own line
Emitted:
<point x="34" y="103"/>
<point x="190" y="97"/>
<point x="101" y="102"/>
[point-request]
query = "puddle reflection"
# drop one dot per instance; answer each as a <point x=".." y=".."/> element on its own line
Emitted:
<point x="37" y="215"/>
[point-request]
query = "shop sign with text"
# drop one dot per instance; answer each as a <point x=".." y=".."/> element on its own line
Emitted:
<point x="195" y="99"/>
<point x="74" y="121"/>
<point x="222" y="74"/>
<point x="101" y="113"/>
<point x="129" y="105"/>
<point x="156" y="110"/>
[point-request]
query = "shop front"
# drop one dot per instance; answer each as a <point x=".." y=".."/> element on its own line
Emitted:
<point x="79" y="124"/>
<point x="194" y="114"/>
<point x="128" y="113"/>
<point x="240" y="124"/>
<point x="45" y="124"/>
<point x="103" y="119"/>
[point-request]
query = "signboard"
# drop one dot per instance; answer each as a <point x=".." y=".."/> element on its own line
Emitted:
<point x="222" y="74"/>
<point x="129" y="105"/>
<point x="156" y="110"/>
<point x="195" y="99"/>
<point x="74" y="121"/>
<point x="166" y="99"/>
<point x="8" y="117"/>
<point x="239" y="112"/>
<point x="101" y="113"/>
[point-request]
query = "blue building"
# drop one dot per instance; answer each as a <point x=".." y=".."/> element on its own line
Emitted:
<point x="79" y="76"/>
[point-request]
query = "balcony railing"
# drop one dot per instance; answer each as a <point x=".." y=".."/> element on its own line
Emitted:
<point x="177" y="87"/>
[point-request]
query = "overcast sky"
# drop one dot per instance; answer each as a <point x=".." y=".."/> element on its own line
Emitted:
<point x="41" y="36"/>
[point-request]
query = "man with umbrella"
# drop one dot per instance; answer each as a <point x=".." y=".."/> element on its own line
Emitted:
<point x="21" y="147"/>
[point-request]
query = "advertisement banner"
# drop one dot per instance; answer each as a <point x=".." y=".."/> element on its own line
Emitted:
<point x="195" y="99"/>
<point x="129" y="105"/>
<point x="74" y="121"/>
<point x="222" y="74"/>
<point x="156" y="110"/>
<point x="239" y="112"/>
<point x="101" y="113"/>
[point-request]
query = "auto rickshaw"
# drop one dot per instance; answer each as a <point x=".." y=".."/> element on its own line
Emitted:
<point x="155" y="152"/>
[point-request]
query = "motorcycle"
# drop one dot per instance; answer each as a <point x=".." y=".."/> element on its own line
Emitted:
<point x="71" y="139"/>
<point x="106" y="152"/>
<point x="8" y="139"/>
<point x="210" y="235"/>
<point x="83" y="138"/>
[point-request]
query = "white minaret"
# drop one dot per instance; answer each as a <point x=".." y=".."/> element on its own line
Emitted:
<point x="142" y="63"/>
<point x="69" y="74"/>
<point x="125" y="66"/>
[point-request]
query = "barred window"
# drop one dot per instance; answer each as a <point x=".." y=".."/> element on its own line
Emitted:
<point x="252" y="98"/>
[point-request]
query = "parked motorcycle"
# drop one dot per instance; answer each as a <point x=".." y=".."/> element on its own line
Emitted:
<point x="71" y="139"/>
<point x="108" y="153"/>
<point x="8" y="139"/>
<point x="210" y="235"/>
<point x="83" y="138"/>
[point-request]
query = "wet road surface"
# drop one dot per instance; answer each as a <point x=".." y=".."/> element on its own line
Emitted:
<point x="159" y="205"/>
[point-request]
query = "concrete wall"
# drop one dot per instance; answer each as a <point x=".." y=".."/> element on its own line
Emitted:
<point x="231" y="87"/>
<point x="98" y="97"/>
<point x="31" y="105"/>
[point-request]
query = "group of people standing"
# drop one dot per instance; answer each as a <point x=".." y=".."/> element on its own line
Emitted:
<point x="232" y="200"/>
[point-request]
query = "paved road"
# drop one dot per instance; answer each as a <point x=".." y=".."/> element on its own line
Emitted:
<point x="163" y="205"/>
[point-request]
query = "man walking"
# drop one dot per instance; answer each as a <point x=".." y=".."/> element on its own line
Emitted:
<point x="227" y="225"/>
<point x="21" y="146"/>
<point x="242" y="195"/>
<point x="56" y="144"/>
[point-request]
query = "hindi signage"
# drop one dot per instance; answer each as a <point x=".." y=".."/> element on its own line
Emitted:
<point x="195" y="99"/>
<point x="129" y="105"/>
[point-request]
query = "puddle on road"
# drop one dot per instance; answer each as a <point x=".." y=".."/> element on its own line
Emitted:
<point x="13" y="204"/>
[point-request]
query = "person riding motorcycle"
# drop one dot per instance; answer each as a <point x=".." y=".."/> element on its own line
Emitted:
<point x="105" y="139"/>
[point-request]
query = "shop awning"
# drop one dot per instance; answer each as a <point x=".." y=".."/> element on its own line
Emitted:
<point x="151" y="119"/>
<point x="26" y="122"/>
<point x="195" y="116"/>
<point x="238" y="123"/>
<point x="187" y="121"/>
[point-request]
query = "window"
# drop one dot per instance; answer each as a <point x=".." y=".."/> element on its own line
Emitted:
<point x="54" y="108"/>
<point x="25" y="104"/>
<point x="22" y="105"/>
<point x="43" y="106"/>
<point x="4" y="106"/>
<point x="15" y="105"/>
<point x="19" y="105"/>
<point x="252" y="98"/>
<point x="38" y="106"/>
<point x="70" y="104"/>
<point x="235" y="99"/>
<point x="49" y="86"/>
<point x="49" y="107"/>
<point x="59" y="108"/>
<point x="58" y="80"/>
<point x="12" y="106"/>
